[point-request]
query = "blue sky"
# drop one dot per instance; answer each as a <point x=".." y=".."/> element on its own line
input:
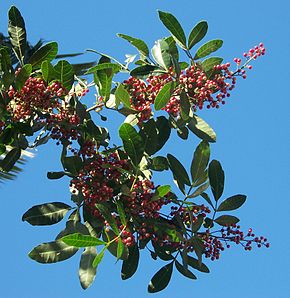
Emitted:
<point x="253" y="147"/>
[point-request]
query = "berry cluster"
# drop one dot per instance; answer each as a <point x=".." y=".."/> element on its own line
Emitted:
<point x="214" y="244"/>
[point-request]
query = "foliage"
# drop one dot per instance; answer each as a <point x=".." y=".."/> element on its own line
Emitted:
<point x="116" y="207"/>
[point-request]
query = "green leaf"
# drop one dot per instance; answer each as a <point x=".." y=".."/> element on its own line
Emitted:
<point x="207" y="198"/>
<point x="149" y="134"/>
<point x="87" y="272"/>
<point x="216" y="178"/>
<point x="178" y="170"/>
<point x="201" y="129"/>
<point x="208" y="64"/>
<point x="113" y="247"/>
<point x="184" y="271"/>
<point x="174" y="27"/>
<point x="232" y="203"/>
<point x="198" y="247"/>
<point x="48" y="71"/>
<point x="46" y="214"/>
<point x="163" y="190"/>
<point x="64" y="73"/>
<point x="161" y="54"/>
<point x="142" y="71"/>
<point x="46" y="53"/>
<point x="208" y="48"/>
<point x="184" y="106"/>
<point x="6" y="70"/>
<point x="55" y="175"/>
<point x="163" y="131"/>
<point x="104" y="82"/>
<point x="52" y="252"/>
<point x="197" y="224"/>
<point x="137" y="43"/>
<point x="161" y="279"/>
<point x="99" y="257"/>
<point x="112" y="66"/>
<point x="199" y="190"/>
<point x="22" y="76"/>
<point x="164" y="95"/>
<point x="158" y="163"/>
<point x="72" y="164"/>
<point x="129" y="266"/>
<point x="121" y="212"/>
<point x="197" y="33"/>
<point x="122" y="95"/>
<point x="192" y="262"/>
<point x="17" y="33"/>
<point x="120" y="248"/>
<point x="199" y="161"/>
<point x="132" y="142"/>
<point x="226" y="220"/>
<point x="79" y="240"/>
<point x="10" y="159"/>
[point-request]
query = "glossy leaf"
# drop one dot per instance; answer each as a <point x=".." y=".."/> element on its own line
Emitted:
<point x="199" y="190"/>
<point x="232" y="203"/>
<point x="184" y="106"/>
<point x="142" y="71"/>
<point x="99" y="257"/>
<point x="178" y="170"/>
<point x="120" y="248"/>
<point x="216" y="178"/>
<point x="46" y="214"/>
<point x="161" y="279"/>
<point x="122" y="95"/>
<point x="226" y="220"/>
<point x="159" y="163"/>
<point x="64" y="73"/>
<point x="200" y="161"/>
<point x="55" y="175"/>
<point x="163" y="96"/>
<point x="17" y="33"/>
<point x="52" y="252"/>
<point x="132" y="141"/>
<point x="161" y="53"/>
<point x="46" y="53"/>
<point x="149" y="134"/>
<point x="209" y="63"/>
<point x="113" y="247"/>
<point x="10" y="160"/>
<point x="197" y="33"/>
<point x="163" y="131"/>
<point x="207" y="198"/>
<point x="72" y="164"/>
<point x="48" y="71"/>
<point x="129" y="266"/>
<point x="137" y="43"/>
<point x="174" y="27"/>
<point x="200" y="128"/>
<point x="22" y="76"/>
<point x="87" y="272"/>
<point x="184" y="271"/>
<point x="192" y="262"/>
<point x="208" y="48"/>
<point x="112" y="66"/>
<point x="6" y="70"/>
<point x="79" y="240"/>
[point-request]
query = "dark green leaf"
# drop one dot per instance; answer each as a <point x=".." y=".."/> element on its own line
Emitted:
<point x="113" y="247"/>
<point x="164" y="95"/>
<point x="183" y="133"/>
<point x="184" y="106"/>
<point x="129" y="266"/>
<point x="207" y="198"/>
<point x="161" y="279"/>
<point x="137" y="43"/>
<point x="64" y="73"/>
<point x="197" y="33"/>
<point x="199" y="161"/>
<point x="17" y="33"/>
<point x="122" y="95"/>
<point x="178" y="170"/>
<point x="208" y="48"/>
<point x="6" y="70"/>
<point x="79" y="240"/>
<point x="120" y="248"/>
<point x="208" y="64"/>
<point x="121" y="212"/>
<point x="200" y="128"/>
<point x="226" y="220"/>
<point x="22" y="76"/>
<point x="232" y="203"/>
<point x="199" y="190"/>
<point x="192" y="262"/>
<point x="133" y="143"/>
<point x="112" y="66"/>
<point x="216" y="178"/>
<point x="46" y="214"/>
<point x="198" y="247"/>
<point x="52" y="252"/>
<point x="55" y="175"/>
<point x="87" y="272"/>
<point x="142" y="71"/>
<point x="10" y="159"/>
<point x="197" y="224"/>
<point x="46" y="53"/>
<point x="158" y="163"/>
<point x="163" y="131"/>
<point x="72" y="164"/>
<point x="108" y="217"/>
<point x="184" y="271"/>
<point x="99" y="257"/>
<point x="174" y="27"/>
<point x="149" y="134"/>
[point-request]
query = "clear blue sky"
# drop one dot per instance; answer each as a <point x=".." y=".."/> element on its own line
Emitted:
<point x="253" y="146"/>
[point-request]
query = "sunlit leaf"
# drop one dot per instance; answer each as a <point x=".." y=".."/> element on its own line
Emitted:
<point x="197" y="33"/>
